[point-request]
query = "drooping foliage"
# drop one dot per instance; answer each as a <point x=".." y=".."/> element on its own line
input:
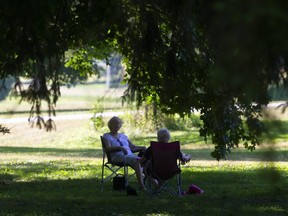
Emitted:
<point x="4" y="129"/>
<point x="215" y="57"/>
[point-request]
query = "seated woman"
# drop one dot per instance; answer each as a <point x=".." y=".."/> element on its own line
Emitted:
<point x="163" y="136"/>
<point x="121" y="148"/>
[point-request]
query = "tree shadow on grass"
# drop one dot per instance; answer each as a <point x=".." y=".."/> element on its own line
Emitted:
<point x="241" y="155"/>
<point x="6" y="179"/>
<point x="233" y="193"/>
<point x="196" y="154"/>
<point x="85" y="152"/>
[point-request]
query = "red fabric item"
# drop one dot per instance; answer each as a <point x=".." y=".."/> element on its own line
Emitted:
<point x="193" y="189"/>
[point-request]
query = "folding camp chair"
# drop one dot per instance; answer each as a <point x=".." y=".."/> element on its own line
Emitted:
<point x="165" y="167"/>
<point x="114" y="168"/>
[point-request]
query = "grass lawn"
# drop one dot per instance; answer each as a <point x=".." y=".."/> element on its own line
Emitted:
<point x="58" y="173"/>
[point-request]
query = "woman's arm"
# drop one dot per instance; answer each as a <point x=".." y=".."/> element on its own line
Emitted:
<point x="109" y="149"/>
<point x="184" y="157"/>
<point x="135" y="148"/>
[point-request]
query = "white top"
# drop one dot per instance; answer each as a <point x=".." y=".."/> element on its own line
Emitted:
<point x="121" y="141"/>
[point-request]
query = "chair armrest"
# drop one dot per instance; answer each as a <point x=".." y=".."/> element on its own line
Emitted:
<point x="140" y="151"/>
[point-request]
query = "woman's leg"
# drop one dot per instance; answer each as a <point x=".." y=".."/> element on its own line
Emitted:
<point x="134" y="162"/>
<point x="139" y="175"/>
<point x="146" y="171"/>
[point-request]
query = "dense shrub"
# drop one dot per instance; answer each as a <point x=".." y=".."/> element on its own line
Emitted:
<point x="145" y="120"/>
<point x="97" y="119"/>
<point x="175" y="122"/>
<point x="141" y="122"/>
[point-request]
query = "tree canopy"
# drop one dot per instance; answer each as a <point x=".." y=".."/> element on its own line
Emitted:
<point x="217" y="57"/>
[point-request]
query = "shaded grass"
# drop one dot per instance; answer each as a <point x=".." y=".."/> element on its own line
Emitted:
<point x="276" y="130"/>
<point x="237" y="190"/>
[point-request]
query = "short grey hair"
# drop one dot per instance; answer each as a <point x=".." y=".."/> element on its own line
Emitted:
<point x="163" y="135"/>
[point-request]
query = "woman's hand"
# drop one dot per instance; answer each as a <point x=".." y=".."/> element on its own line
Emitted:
<point x="124" y="151"/>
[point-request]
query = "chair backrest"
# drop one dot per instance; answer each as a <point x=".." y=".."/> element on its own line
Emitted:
<point x="165" y="159"/>
<point x="103" y="141"/>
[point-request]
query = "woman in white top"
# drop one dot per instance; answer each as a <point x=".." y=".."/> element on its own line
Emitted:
<point x="121" y="148"/>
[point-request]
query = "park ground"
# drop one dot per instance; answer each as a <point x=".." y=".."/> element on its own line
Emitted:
<point x="58" y="173"/>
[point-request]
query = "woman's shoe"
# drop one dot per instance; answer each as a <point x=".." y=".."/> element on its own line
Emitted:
<point x="142" y="188"/>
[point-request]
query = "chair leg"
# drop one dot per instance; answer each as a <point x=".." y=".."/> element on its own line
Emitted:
<point x="126" y="176"/>
<point x="165" y="186"/>
<point x="168" y="188"/>
<point x="102" y="178"/>
<point x="113" y="173"/>
<point x="179" y="184"/>
<point x="149" y="185"/>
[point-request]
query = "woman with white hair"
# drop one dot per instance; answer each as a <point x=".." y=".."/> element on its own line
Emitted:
<point x="121" y="148"/>
<point x="163" y="136"/>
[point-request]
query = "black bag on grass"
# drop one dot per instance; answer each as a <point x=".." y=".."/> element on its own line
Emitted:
<point x="119" y="182"/>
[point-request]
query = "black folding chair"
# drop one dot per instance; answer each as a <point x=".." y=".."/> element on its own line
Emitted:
<point x="165" y="166"/>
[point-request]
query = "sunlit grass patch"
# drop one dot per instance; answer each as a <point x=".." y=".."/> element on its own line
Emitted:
<point x="266" y="210"/>
<point x="49" y="170"/>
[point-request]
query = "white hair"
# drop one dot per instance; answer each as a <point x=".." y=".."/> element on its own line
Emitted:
<point x="163" y="135"/>
<point x="114" y="120"/>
